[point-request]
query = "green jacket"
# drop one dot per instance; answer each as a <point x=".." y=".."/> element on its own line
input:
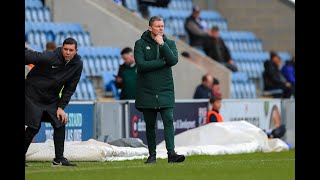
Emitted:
<point x="155" y="88"/>
<point x="129" y="78"/>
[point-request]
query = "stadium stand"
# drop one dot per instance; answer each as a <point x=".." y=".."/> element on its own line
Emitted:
<point x="245" y="47"/>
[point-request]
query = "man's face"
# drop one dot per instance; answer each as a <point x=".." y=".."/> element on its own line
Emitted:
<point x="215" y="33"/>
<point x="68" y="51"/>
<point x="216" y="105"/>
<point x="277" y="60"/>
<point x="209" y="82"/>
<point x="128" y="58"/>
<point x="216" y="88"/>
<point x="157" y="28"/>
<point x="196" y="14"/>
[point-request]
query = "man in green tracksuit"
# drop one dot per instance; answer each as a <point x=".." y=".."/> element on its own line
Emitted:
<point x="154" y="54"/>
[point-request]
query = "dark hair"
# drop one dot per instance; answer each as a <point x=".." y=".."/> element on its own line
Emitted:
<point x="215" y="81"/>
<point x="51" y="46"/>
<point x="273" y="54"/>
<point x="126" y="50"/>
<point x="215" y="28"/>
<point x="214" y="99"/>
<point x="204" y="78"/>
<point x="196" y="8"/>
<point x="155" y="18"/>
<point x="70" y="41"/>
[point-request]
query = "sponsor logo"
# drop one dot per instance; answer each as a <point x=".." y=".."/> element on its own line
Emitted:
<point x="134" y="124"/>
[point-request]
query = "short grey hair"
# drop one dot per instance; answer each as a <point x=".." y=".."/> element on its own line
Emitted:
<point x="155" y="18"/>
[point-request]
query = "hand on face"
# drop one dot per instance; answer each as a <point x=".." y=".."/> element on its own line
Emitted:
<point x="159" y="39"/>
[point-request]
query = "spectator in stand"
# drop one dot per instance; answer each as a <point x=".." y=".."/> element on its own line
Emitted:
<point x="215" y="48"/>
<point x="204" y="90"/>
<point x="273" y="78"/>
<point x="213" y="115"/>
<point x="216" y="88"/>
<point x="143" y="6"/>
<point x="196" y="28"/>
<point x="50" y="46"/>
<point x="288" y="71"/>
<point x="127" y="75"/>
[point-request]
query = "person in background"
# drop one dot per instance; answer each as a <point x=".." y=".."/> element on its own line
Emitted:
<point x="50" y="46"/>
<point x="273" y="78"/>
<point x="127" y="75"/>
<point x="213" y="115"/>
<point x="204" y="90"/>
<point x="288" y="71"/>
<point x="215" y="48"/>
<point x="196" y="28"/>
<point x="216" y="88"/>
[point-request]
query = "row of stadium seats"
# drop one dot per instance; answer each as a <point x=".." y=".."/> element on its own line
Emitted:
<point x="33" y="4"/>
<point x="257" y="56"/>
<point x="244" y="45"/>
<point x="42" y="37"/>
<point x="181" y="5"/>
<point x="37" y="14"/>
<point x="95" y="66"/>
<point x="84" y="91"/>
<point x="242" y="87"/>
<point x="53" y="26"/>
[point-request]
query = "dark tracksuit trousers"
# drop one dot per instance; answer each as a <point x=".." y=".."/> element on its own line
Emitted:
<point x="58" y="139"/>
<point x="150" y="117"/>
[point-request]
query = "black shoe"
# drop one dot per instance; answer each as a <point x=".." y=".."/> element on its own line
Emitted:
<point x="151" y="160"/>
<point x="173" y="157"/>
<point x="62" y="162"/>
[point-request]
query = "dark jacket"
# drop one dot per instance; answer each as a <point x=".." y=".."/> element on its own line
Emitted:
<point x="196" y="35"/>
<point x="272" y="76"/>
<point x="212" y="46"/>
<point x="129" y="80"/>
<point x="44" y="82"/>
<point x="202" y="92"/>
<point x="155" y="88"/>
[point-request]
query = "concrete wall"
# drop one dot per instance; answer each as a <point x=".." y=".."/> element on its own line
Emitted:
<point x="271" y="20"/>
<point x="115" y="26"/>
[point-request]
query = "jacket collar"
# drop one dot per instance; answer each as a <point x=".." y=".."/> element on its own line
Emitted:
<point x="147" y="37"/>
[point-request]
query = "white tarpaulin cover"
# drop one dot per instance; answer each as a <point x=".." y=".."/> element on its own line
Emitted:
<point x="211" y="139"/>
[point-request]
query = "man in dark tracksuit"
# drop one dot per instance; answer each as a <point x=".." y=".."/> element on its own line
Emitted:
<point x="52" y="70"/>
<point x="154" y="54"/>
<point x="127" y="75"/>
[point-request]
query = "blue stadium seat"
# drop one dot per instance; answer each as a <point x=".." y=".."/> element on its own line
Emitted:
<point x="84" y="89"/>
<point x="91" y="90"/>
<point x="109" y="84"/>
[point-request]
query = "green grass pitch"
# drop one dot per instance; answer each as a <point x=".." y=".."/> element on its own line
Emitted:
<point x="251" y="166"/>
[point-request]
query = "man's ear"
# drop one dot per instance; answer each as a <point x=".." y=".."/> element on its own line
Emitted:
<point x="150" y="28"/>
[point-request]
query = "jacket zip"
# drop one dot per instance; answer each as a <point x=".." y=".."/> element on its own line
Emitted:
<point x="157" y="96"/>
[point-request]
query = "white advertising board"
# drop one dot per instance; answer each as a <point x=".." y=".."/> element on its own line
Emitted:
<point x="264" y="113"/>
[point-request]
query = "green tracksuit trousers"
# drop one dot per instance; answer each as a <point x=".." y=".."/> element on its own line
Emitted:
<point x="150" y="117"/>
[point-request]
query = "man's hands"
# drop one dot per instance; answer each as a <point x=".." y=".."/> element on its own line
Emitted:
<point x="158" y="39"/>
<point x="118" y="79"/>
<point x="62" y="116"/>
